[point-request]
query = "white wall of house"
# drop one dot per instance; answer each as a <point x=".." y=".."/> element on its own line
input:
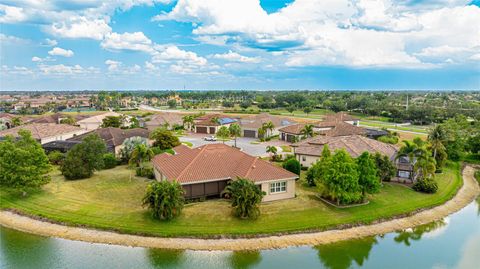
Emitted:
<point x="306" y="160"/>
<point x="274" y="196"/>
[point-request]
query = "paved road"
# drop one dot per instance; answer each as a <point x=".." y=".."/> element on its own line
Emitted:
<point x="242" y="142"/>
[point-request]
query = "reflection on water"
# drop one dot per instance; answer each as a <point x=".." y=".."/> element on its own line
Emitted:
<point x="416" y="233"/>
<point x="245" y="259"/>
<point x="340" y="255"/>
<point x="451" y="243"/>
<point x="162" y="258"/>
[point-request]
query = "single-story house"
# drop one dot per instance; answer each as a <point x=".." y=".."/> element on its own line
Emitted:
<point x="309" y="150"/>
<point x="210" y="123"/>
<point x="291" y="133"/>
<point x="46" y="132"/>
<point x="250" y="125"/>
<point x="114" y="137"/>
<point x="205" y="171"/>
<point x="338" y="128"/>
<point x="164" y="119"/>
<point x="55" y="118"/>
<point x="94" y="122"/>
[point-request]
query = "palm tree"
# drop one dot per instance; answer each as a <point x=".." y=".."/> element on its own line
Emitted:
<point x="307" y="131"/>
<point x="409" y="150"/>
<point x="215" y="120"/>
<point x="188" y="122"/>
<point x="165" y="199"/>
<point x="140" y="153"/>
<point x="272" y="150"/>
<point x="246" y="198"/>
<point x="235" y="131"/>
<point x="437" y="137"/>
<point x="425" y="164"/>
<point x="16" y="121"/>
<point x="268" y="126"/>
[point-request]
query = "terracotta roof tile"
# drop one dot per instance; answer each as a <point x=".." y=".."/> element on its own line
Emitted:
<point x="216" y="161"/>
<point x="354" y="144"/>
<point x="114" y="136"/>
<point x="42" y="130"/>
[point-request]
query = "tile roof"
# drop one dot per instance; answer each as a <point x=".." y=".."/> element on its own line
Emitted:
<point x="164" y="117"/>
<point x="206" y="120"/>
<point x="114" y="136"/>
<point x="256" y="121"/>
<point x="353" y="144"/>
<point x="341" y="128"/>
<point x="42" y="130"/>
<point x="213" y="162"/>
<point x="293" y="129"/>
<point x="4" y="115"/>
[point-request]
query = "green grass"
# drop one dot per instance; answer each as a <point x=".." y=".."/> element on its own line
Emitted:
<point x="286" y="148"/>
<point x="186" y="143"/>
<point x="111" y="200"/>
<point x="417" y="129"/>
<point x="477" y="175"/>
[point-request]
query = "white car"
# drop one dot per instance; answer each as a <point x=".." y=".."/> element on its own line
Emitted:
<point x="210" y="138"/>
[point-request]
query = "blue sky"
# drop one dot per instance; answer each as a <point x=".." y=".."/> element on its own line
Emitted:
<point x="247" y="44"/>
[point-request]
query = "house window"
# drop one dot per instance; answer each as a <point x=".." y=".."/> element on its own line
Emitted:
<point x="304" y="158"/>
<point x="277" y="187"/>
<point x="404" y="174"/>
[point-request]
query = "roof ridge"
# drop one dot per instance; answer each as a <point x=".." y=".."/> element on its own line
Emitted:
<point x="252" y="166"/>
<point x="191" y="162"/>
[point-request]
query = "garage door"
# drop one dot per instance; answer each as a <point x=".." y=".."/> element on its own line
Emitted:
<point x="201" y="130"/>
<point x="249" y="133"/>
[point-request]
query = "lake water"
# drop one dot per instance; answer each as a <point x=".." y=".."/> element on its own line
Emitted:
<point x="453" y="242"/>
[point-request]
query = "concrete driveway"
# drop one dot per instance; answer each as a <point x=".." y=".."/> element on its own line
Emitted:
<point x="244" y="143"/>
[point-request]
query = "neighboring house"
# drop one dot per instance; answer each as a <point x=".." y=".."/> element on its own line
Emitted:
<point x="56" y="118"/>
<point x="342" y="116"/>
<point x="405" y="170"/>
<point x="210" y="123"/>
<point x="309" y="151"/>
<point x="291" y="133"/>
<point x="205" y="171"/>
<point x="250" y="125"/>
<point x="338" y="128"/>
<point x="94" y="122"/>
<point x="6" y="120"/>
<point x="46" y="132"/>
<point x="164" y="119"/>
<point x="114" y="137"/>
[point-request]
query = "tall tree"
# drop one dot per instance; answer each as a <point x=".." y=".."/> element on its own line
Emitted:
<point x="273" y="151"/>
<point x="235" y="131"/>
<point x="437" y="137"/>
<point x="165" y="199"/>
<point x="23" y="162"/>
<point x="84" y="158"/>
<point x="340" y="180"/>
<point x="367" y="174"/>
<point x="245" y="197"/>
<point x="112" y="121"/>
<point x="188" y="122"/>
<point x="268" y="126"/>
<point x="386" y="169"/>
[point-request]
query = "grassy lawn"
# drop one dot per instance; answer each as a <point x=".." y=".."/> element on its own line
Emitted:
<point x="111" y="200"/>
<point x="186" y="143"/>
<point x="378" y="124"/>
<point x="286" y="148"/>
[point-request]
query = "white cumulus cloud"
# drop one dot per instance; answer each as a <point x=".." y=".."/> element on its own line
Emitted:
<point x="136" y="41"/>
<point x="236" y="57"/>
<point x="61" y="52"/>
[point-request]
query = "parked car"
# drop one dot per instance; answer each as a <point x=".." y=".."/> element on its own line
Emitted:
<point x="210" y="138"/>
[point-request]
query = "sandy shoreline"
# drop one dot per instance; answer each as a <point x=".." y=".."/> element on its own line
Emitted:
<point x="465" y="195"/>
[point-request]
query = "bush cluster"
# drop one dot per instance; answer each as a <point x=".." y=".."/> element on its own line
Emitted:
<point x="426" y="185"/>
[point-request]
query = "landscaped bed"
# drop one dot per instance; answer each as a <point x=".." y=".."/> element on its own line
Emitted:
<point x="112" y="200"/>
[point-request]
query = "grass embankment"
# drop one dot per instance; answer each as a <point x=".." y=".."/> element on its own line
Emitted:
<point x="111" y="200"/>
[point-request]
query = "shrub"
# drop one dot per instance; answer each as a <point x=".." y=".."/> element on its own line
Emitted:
<point x="157" y="150"/>
<point x="164" y="139"/>
<point x="145" y="172"/>
<point x="292" y="165"/>
<point x="109" y="161"/>
<point x="56" y="157"/>
<point x="390" y="139"/>
<point x="477" y="175"/>
<point x="426" y="185"/>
